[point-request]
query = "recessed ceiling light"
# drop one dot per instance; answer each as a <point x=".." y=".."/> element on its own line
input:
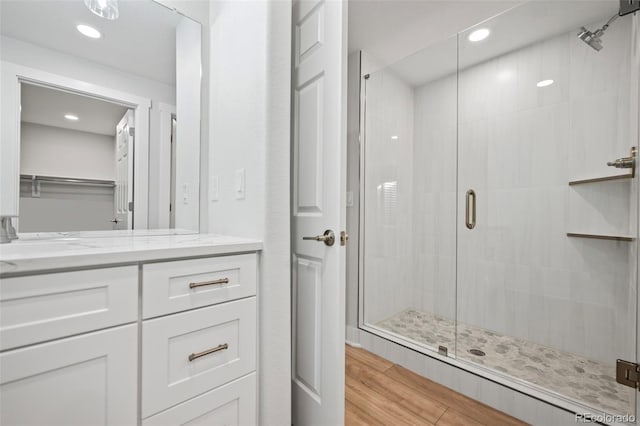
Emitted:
<point x="89" y="31"/>
<point x="544" y="83"/>
<point x="71" y="117"/>
<point x="394" y="138"/>
<point x="480" y="34"/>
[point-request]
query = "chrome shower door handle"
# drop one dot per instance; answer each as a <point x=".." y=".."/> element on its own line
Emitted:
<point x="329" y="238"/>
<point x="470" y="210"/>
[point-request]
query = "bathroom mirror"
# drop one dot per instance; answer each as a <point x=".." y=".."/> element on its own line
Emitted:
<point x="99" y="118"/>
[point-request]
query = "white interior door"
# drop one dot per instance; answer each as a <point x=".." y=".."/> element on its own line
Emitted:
<point x="318" y="205"/>
<point x="123" y="192"/>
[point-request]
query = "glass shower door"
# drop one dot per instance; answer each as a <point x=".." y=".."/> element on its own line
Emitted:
<point x="546" y="251"/>
<point x="408" y="175"/>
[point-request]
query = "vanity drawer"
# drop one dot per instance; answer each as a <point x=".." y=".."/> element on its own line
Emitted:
<point x="43" y="307"/>
<point x="186" y="284"/>
<point x="187" y="354"/>
<point x="233" y="404"/>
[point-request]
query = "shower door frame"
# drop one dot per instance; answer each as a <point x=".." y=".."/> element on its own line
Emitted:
<point x="535" y="391"/>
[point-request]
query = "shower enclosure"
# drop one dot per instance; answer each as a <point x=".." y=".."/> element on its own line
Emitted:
<point x="494" y="235"/>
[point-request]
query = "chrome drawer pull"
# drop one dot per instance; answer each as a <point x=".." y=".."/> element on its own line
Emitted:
<point x="208" y="351"/>
<point x="214" y="282"/>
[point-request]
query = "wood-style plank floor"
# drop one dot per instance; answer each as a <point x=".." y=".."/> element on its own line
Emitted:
<point x="379" y="392"/>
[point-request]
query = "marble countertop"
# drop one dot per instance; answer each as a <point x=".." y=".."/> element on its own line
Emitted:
<point x="64" y="250"/>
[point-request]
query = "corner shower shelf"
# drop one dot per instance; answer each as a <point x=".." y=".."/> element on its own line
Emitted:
<point x="601" y="236"/>
<point x="601" y="179"/>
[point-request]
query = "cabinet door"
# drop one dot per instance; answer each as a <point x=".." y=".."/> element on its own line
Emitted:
<point x="84" y="380"/>
<point x="233" y="404"/>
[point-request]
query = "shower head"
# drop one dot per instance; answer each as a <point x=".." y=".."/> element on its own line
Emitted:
<point x="593" y="38"/>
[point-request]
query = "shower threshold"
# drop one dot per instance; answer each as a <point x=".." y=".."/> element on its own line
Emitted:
<point x="590" y="382"/>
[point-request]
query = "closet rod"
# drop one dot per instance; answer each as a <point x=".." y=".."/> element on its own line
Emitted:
<point x="71" y="181"/>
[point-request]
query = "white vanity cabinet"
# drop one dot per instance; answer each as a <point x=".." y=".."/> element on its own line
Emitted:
<point x="188" y="351"/>
<point x="160" y="341"/>
<point x="82" y="380"/>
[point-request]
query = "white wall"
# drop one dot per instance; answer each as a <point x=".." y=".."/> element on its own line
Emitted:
<point x="250" y="54"/>
<point x="188" y="73"/>
<point x="434" y="209"/>
<point x="198" y="10"/>
<point x="30" y="55"/>
<point x="66" y="208"/>
<point x="54" y="151"/>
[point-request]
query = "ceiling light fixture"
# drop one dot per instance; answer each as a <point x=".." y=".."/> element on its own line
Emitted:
<point x="88" y="31"/>
<point x="71" y="117"/>
<point x="544" y="83"/>
<point x="107" y="9"/>
<point x="479" y="35"/>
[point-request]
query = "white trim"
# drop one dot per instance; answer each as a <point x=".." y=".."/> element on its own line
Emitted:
<point x="12" y="76"/>
<point x="164" y="165"/>
<point x="353" y="337"/>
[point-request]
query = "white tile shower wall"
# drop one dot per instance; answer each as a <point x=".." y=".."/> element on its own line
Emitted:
<point x="434" y="196"/>
<point x="388" y="196"/>
<point x="519" y="145"/>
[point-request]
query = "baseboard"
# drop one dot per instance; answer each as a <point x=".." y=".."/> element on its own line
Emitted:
<point x="510" y="401"/>
<point x="353" y="337"/>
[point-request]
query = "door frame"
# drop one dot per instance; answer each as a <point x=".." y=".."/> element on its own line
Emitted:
<point x="12" y="76"/>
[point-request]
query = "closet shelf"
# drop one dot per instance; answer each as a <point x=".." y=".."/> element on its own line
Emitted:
<point x="69" y="181"/>
<point x="601" y="236"/>
<point x="601" y="179"/>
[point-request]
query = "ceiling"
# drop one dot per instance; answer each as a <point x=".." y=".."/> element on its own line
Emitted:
<point x="141" y="41"/>
<point x="390" y="30"/>
<point x="422" y="55"/>
<point x="41" y="105"/>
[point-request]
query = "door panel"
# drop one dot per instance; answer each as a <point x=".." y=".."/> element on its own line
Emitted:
<point x="123" y="193"/>
<point x="318" y="191"/>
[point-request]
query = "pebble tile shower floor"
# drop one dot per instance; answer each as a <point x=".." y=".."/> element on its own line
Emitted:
<point x="590" y="382"/>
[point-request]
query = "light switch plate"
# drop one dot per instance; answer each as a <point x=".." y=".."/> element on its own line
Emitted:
<point x="240" y="184"/>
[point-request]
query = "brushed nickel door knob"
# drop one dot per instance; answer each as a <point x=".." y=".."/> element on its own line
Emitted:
<point x="329" y="238"/>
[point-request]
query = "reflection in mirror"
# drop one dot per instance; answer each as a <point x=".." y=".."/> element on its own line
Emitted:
<point x="76" y="161"/>
<point x="91" y="170"/>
